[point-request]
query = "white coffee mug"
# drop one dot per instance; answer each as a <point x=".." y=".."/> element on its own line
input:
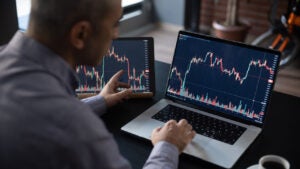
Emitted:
<point x="273" y="162"/>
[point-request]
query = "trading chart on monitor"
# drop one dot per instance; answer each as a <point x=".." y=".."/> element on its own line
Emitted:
<point x="133" y="55"/>
<point x="228" y="78"/>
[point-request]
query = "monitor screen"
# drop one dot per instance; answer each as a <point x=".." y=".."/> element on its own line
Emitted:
<point x="228" y="77"/>
<point x="134" y="55"/>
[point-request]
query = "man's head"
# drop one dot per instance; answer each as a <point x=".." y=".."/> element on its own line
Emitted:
<point x="79" y="30"/>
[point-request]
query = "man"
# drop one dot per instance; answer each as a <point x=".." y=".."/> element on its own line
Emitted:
<point x="43" y="124"/>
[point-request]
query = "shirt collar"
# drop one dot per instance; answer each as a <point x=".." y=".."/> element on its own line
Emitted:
<point x="42" y="55"/>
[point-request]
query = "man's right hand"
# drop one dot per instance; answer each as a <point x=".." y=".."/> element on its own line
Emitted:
<point x="180" y="134"/>
<point x="110" y="93"/>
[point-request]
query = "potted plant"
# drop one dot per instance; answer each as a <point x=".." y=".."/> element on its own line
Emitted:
<point x="232" y="28"/>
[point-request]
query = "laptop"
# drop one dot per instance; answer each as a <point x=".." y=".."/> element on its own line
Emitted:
<point x="222" y="88"/>
<point x="134" y="55"/>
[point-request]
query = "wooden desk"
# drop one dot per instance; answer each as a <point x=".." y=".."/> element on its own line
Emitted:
<point x="280" y="135"/>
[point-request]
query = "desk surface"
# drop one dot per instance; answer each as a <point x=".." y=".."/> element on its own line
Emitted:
<point x="279" y="136"/>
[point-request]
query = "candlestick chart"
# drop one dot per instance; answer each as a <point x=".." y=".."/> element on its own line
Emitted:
<point x="128" y="55"/>
<point x="223" y="77"/>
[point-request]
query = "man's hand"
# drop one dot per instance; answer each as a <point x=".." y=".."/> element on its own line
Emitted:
<point x="110" y="93"/>
<point x="180" y="134"/>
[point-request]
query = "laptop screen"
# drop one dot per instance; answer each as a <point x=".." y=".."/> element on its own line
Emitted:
<point x="228" y="77"/>
<point x="135" y="55"/>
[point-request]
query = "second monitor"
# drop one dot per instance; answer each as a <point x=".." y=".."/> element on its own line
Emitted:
<point x="135" y="55"/>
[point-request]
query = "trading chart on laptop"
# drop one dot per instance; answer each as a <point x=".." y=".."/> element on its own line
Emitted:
<point x="225" y="77"/>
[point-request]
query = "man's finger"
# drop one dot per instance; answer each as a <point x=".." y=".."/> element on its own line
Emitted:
<point x="191" y="134"/>
<point x="169" y="125"/>
<point x="156" y="129"/>
<point x="189" y="127"/>
<point x="123" y="85"/>
<point x="171" y="122"/>
<point x="117" y="75"/>
<point x="123" y="94"/>
<point x="182" y="122"/>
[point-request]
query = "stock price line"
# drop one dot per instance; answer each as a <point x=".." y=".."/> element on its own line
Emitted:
<point x="217" y="63"/>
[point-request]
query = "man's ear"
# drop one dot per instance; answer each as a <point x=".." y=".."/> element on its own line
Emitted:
<point x="79" y="34"/>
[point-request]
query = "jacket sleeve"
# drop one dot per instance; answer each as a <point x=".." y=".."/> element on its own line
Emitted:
<point x="164" y="155"/>
<point x="97" y="104"/>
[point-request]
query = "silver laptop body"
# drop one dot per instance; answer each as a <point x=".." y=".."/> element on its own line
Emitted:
<point x="238" y="83"/>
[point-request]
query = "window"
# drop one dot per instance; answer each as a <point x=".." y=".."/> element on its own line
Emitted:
<point x="126" y="3"/>
<point x="23" y="10"/>
<point x="137" y="17"/>
<point x="136" y="14"/>
<point x="131" y="8"/>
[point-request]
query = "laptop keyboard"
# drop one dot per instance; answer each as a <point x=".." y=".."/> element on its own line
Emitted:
<point x="204" y="125"/>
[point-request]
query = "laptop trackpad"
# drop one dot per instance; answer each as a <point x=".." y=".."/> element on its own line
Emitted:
<point x="198" y="146"/>
<point x="212" y="151"/>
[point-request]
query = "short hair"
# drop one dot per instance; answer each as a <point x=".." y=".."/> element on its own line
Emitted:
<point x="54" y="18"/>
